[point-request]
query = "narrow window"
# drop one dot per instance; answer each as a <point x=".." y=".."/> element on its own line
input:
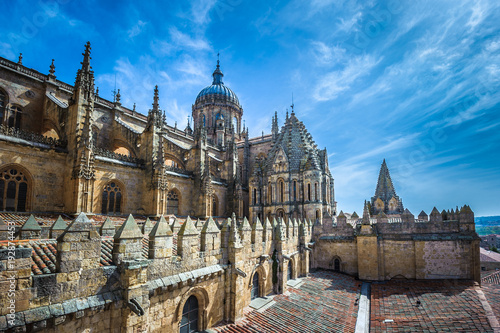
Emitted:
<point x="294" y="190"/>
<point x="214" y="205"/>
<point x="282" y="192"/>
<point x="309" y="191"/>
<point x="315" y="191"/>
<point x="189" y="321"/>
<point x="255" y="286"/>
<point x="254" y="196"/>
<point x="3" y="103"/>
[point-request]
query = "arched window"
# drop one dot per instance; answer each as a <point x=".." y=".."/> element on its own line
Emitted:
<point x="14" y="116"/>
<point x="281" y="187"/>
<point x="318" y="214"/>
<point x="255" y="286"/>
<point x="309" y="191"/>
<point x="111" y="199"/>
<point x="316" y="198"/>
<point x="294" y="190"/>
<point x="189" y="321"/>
<point x="13" y="190"/>
<point x="336" y="265"/>
<point x="270" y="194"/>
<point x="173" y="202"/>
<point x="254" y="196"/>
<point x="3" y="103"/>
<point x="215" y="205"/>
<point x="290" y="275"/>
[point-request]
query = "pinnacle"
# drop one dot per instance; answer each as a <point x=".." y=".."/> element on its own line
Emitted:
<point x="188" y="228"/>
<point x="210" y="226"/>
<point x="129" y="229"/>
<point x="59" y="224"/>
<point x="31" y="224"/>
<point x="161" y="228"/>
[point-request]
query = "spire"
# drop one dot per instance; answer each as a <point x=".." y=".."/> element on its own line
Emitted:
<point x="274" y="128"/>
<point x="52" y="69"/>
<point x="293" y="112"/>
<point x="156" y="106"/>
<point x="385" y="188"/>
<point x="118" y="97"/>
<point x="366" y="214"/>
<point x="85" y="75"/>
<point x="217" y="73"/>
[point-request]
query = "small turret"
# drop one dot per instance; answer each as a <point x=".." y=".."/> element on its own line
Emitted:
<point x="127" y="242"/>
<point x="160" y="240"/>
<point x="30" y="229"/>
<point x="436" y="216"/>
<point x="210" y="236"/>
<point x="107" y="228"/>
<point x="187" y="240"/>
<point x="58" y="228"/>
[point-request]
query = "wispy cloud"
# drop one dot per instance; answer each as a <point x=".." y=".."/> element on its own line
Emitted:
<point x="183" y="40"/>
<point x="331" y="85"/>
<point x="136" y="29"/>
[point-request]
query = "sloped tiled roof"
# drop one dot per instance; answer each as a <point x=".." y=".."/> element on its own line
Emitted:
<point x="43" y="219"/>
<point x="298" y="146"/>
<point x="489" y="256"/>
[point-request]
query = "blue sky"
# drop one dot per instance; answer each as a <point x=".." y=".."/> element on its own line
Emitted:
<point x="415" y="82"/>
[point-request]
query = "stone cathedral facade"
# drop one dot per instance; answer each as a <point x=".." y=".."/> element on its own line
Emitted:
<point x="117" y="221"/>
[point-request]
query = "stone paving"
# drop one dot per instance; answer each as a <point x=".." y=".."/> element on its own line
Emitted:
<point x="325" y="302"/>
<point x="427" y="306"/>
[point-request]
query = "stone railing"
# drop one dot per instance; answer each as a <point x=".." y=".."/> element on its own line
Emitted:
<point x="22" y="69"/>
<point x="179" y="170"/>
<point x="32" y="137"/>
<point x="219" y="180"/>
<point x="109" y="154"/>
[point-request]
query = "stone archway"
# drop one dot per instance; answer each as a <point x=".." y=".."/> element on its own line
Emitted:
<point x="203" y="305"/>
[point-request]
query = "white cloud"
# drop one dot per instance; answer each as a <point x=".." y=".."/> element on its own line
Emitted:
<point x="326" y="55"/>
<point x="185" y="41"/>
<point x="200" y="10"/>
<point x="136" y="29"/>
<point x="331" y="85"/>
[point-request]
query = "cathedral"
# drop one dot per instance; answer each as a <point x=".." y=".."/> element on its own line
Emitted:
<point x="118" y="221"/>
<point x="108" y="159"/>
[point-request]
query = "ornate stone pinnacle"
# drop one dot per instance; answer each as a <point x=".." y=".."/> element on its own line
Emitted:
<point x="52" y="68"/>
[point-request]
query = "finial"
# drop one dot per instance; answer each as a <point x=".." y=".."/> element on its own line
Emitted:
<point x="155" y="99"/>
<point x="286" y="114"/>
<point x="165" y="118"/>
<point x="52" y="68"/>
<point x="218" y="54"/>
<point x="133" y="109"/>
<point x="97" y="92"/>
<point x="176" y="124"/>
<point x="188" y="120"/>
<point x="20" y="61"/>
<point x="118" y="96"/>
<point x="292" y="105"/>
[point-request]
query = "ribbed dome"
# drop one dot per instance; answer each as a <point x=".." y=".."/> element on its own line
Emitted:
<point x="217" y="89"/>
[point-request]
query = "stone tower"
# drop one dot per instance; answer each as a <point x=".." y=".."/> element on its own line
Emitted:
<point x="385" y="199"/>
